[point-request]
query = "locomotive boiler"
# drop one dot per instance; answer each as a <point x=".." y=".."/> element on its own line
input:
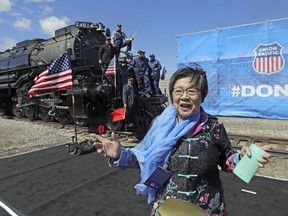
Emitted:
<point x="95" y="96"/>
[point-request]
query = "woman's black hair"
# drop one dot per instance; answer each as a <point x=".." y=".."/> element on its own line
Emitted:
<point x="198" y="77"/>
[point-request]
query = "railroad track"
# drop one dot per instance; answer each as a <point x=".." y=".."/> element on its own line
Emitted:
<point x="126" y="138"/>
<point x="280" y="146"/>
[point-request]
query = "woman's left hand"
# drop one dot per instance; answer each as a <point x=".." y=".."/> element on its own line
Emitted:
<point x="261" y="161"/>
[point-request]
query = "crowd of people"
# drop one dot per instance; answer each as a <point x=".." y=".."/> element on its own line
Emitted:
<point x="146" y="72"/>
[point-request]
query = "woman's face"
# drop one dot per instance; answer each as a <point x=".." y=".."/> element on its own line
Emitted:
<point x="186" y="99"/>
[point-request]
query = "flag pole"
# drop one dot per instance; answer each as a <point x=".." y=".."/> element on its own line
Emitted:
<point x="73" y="108"/>
<point x="115" y="76"/>
<point x="69" y="50"/>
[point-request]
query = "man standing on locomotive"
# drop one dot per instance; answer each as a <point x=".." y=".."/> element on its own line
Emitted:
<point x="142" y="73"/>
<point x="119" y="40"/>
<point x="129" y="97"/>
<point x="155" y="73"/>
<point x="106" y="53"/>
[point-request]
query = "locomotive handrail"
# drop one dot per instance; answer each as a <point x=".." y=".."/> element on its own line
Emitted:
<point x="45" y="65"/>
<point x="23" y="68"/>
<point x="16" y="84"/>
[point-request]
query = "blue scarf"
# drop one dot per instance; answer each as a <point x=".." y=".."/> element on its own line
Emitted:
<point x="155" y="149"/>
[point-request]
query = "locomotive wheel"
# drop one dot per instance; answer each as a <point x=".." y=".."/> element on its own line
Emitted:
<point x="63" y="116"/>
<point x="30" y="112"/>
<point x="114" y="126"/>
<point x="143" y="121"/>
<point x="43" y="114"/>
<point x="144" y="117"/>
<point x="17" y="112"/>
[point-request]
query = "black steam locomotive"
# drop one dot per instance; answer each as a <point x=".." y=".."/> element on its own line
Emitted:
<point x="95" y="96"/>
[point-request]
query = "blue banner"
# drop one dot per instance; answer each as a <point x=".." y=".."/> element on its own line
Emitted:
<point x="246" y="66"/>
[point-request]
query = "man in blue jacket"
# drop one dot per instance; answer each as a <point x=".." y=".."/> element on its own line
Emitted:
<point x="129" y="97"/>
<point x="119" y="40"/>
<point x="155" y="73"/>
<point x="142" y="73"/>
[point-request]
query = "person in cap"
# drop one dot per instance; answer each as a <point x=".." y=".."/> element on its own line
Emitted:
<point x="106" y="54"/>
<point x="119" y="40"/>
<point x="142" y="73"/>
<point x="149" y="86"/>
<point x="155" y="73"/>
<point x="129" y="97"/>
<point x="186" y="144"/>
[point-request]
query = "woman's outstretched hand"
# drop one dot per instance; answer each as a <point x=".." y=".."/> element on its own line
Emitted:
<point x="108" y="147"/>
<point x="261" y="161"/>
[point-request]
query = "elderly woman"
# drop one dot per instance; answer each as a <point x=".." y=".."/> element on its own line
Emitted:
<point x="185" y="141"/>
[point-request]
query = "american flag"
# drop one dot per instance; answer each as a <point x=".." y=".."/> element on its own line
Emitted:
<point x="58" y="76"/>
<point x="111" y="68"/>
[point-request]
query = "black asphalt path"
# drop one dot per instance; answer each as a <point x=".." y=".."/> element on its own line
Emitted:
<point x="52" y="182"/>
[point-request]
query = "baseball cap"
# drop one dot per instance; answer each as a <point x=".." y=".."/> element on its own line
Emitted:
<point x="152" y="55"/>
<point x="119" y="25"/>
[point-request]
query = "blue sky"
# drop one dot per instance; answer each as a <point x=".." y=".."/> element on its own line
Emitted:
<point x="156" y="21"/>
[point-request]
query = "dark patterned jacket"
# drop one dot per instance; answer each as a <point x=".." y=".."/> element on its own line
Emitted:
<point x="195" y="164"/>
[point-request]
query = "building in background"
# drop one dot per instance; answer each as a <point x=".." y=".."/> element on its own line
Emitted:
<point x="164" y="86"/>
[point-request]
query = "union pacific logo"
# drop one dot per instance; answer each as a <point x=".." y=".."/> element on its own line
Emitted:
<point x="268" y="58"/>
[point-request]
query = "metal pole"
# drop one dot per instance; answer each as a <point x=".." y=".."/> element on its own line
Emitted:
<point x="115" y="76"/>
<point x="73" y="107"/>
